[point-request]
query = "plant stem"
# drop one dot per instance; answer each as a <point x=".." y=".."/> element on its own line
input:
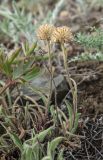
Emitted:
<point x="66" y="67"/>
<point x="73" y="87"/>
<point x="51" y="74"/>
<point x="5" y="88"/>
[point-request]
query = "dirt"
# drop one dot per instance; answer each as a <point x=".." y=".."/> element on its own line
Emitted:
<point x="89" y="78"/>
<point x="79" y="17"/>
<point x="91" y="146"/>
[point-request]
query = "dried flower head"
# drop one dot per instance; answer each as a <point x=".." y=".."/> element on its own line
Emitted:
<point x="45" y="31"/>
<point x="62" y="35"/>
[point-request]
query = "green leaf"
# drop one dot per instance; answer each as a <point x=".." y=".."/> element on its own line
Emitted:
<point x="76" y="122"/>
<point x="32" y="149"/>
<point x="31" y="50"/>
<point x="18" y="71"/>
<point x="46" y="158"/>
<point x="1" y="109"/>
<point x="21" y="69"/>
<point x="31" y="74"/>
<point x="27" y="153"/>
<point x="43" y="134"/>
<point x="28" y="64"/>
<point x="53" y="145"/>
<point x="14" y="56"/>
<point x="16" y="141"/>
<point x="60" y="155"/>
<point x="70" y="115"/>
<point x="6" y="68"/>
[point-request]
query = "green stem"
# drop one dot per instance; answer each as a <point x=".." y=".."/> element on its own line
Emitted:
<point x="66" y="67"/>
<point x="51" y="74"/>
<point x="73" y="86"/>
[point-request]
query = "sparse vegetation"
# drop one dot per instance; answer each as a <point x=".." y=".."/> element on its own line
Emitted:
<point x="50" y="80"/>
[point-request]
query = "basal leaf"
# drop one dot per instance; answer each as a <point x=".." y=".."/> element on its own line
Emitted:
<point x="16" y="141"/>
<point x="31" y="74"/>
